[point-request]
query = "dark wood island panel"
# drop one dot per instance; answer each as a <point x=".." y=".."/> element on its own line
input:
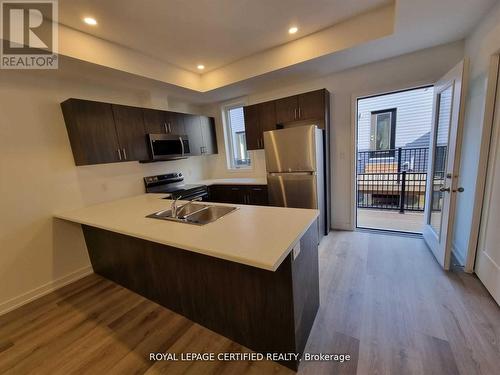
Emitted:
<point x="263" y="310"/>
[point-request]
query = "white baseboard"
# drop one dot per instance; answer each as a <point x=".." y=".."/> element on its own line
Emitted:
<point x="36" y="293"/>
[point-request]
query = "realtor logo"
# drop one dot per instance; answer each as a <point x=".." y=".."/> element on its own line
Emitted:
<point x="29" y="34"/>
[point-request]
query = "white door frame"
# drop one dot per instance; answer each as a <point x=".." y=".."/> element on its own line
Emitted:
<point x="484" y="152"/>
<point x="485" y="266"/>
<point x="440" y="243"/>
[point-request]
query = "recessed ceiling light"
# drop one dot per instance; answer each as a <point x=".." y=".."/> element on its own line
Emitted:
<point x="293" y="30"/>
<point x="90" y="21"/>
<point x="201" y="67"/>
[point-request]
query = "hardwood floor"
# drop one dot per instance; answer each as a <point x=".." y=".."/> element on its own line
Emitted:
<point x="384" y="301"/>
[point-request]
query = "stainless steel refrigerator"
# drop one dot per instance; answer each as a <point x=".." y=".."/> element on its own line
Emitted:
<point x="295" y="169"/>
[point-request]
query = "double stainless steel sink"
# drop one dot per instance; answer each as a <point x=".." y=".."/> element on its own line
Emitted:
<point x="194" y="213"/>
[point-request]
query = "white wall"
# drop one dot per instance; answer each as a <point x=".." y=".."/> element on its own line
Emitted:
<point x="422" y="67"/>
<point x="479" y="46"/>
<point x="38" y="177"/>
<point x="413" y="116"/>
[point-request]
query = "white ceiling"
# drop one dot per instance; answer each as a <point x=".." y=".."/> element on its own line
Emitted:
<point x="418" y="24"/>
<point x="186" y="33"/>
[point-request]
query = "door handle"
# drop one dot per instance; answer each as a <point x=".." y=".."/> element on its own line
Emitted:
<point x="119" y="154"/>
<point x="442" y="190"/>
<point x="459" y="190"/>
<point x="182" y="145"/>
<point x="124" y="154"/>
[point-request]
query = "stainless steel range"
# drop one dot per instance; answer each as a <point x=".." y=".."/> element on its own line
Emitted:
<point x="173" y="185"/>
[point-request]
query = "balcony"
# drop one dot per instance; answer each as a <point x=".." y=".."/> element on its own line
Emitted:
<point x="391" y="187"/>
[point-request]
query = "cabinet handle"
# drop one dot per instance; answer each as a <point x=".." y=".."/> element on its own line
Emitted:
<point x="300" y="112"/>
<point x="119" y="154"/>
<point x="165" y="126"/>
<point x="295" y="114"/>
<point x="124" y="154"/>
<point x="169" y="127"/>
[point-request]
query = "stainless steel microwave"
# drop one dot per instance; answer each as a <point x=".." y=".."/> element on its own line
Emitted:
<point x="168" y="146"/>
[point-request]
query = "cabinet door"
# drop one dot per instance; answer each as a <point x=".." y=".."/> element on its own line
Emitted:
<point x="131" y="134"/>
<point x="91" y="131"/>
<point x="209" y="136"/>
<point x="312" y="105"/>
<point x="192" y="126"/>
<point x="286" y="109"/>
<point x="175" y="123"/>
<point x="267" y="117"/>
<point x="235" y="194"/>
<point x="227" y="194"/>
<point x="155" y="121"/>
<point x="253" y="130"/>
<point x="257" y="195"/>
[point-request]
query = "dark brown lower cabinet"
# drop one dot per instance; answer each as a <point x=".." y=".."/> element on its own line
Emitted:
<point x="239" y="194"/>
<point x="266" y="311"/>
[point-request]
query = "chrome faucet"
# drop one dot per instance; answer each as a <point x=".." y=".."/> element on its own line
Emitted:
<point x="174" y="209"/>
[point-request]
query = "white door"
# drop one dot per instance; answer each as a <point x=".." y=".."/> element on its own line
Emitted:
<point x="444" y="160"/>
<point x="487" y="265"/>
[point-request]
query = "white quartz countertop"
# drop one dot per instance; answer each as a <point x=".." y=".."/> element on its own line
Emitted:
<point x="257" y="236"/>
<point x="234" y="181"/>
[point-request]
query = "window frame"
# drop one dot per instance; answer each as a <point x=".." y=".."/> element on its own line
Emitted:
<point x="373" y="133"/>
<point x="229" y="149"/>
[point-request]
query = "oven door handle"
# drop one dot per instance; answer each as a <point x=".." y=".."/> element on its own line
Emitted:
<point x="182" y="145"/>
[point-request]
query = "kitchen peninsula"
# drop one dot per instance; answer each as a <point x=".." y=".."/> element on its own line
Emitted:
<point x="251" y="275"/>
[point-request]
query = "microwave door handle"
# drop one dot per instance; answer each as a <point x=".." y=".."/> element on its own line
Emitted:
<point x="182" y="145"/>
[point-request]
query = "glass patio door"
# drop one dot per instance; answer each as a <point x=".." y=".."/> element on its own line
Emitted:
<point x="444" y="164"/>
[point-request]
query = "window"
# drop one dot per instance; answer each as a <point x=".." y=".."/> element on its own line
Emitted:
<point x="237" y="153"/>
<point x="383" y="133"/>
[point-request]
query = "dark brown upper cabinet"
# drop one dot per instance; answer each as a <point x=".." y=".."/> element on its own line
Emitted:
<point x="258" y="119"/>
<point x="131" y="134"/>
<point x="154" y="121"/>
<point x="252" y="126"/>
<point x="193" y="131"/>
<point x="91" y="131"/>
<point x="209" y="136"/>
<point x="303" y="107"/>
<point x="175" y="123"/>
<point x="312" y="105"/>
<point x="286" y="109"/>
<point x="160" y="122"/>
<point x="106" y="133"/>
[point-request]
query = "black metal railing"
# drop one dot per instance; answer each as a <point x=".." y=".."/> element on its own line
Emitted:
<point x="395" y="179"/>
